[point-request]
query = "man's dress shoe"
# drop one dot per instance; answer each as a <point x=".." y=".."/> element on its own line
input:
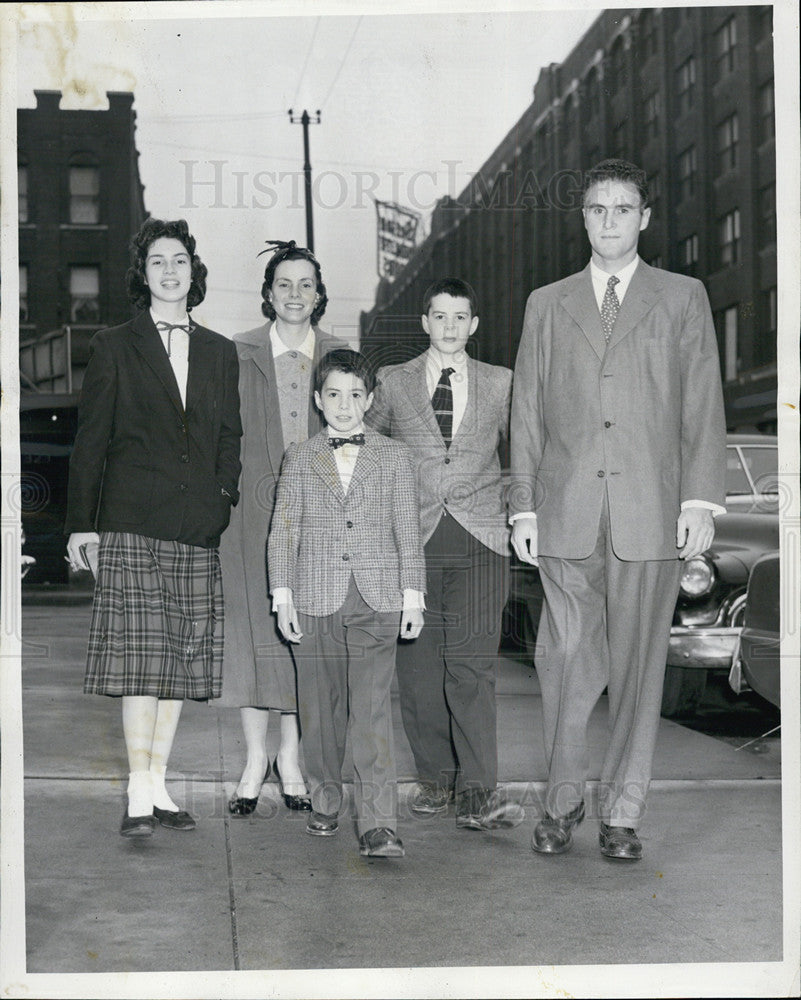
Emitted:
<point x="555" y="835"/>
<point x="302" y="803"/>
<point x="137" y="826"/>
<point x="482" y="809"/>
<point x="430" y="798"/>
<point x="320" y="825"/>
<point x="620" y="843"/>
<point x="174" y="820"/>
<point x="381" y="842"/>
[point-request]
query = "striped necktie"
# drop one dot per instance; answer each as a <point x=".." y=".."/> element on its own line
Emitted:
<point x="610" y="307"/>
<point x="442" y="401"/>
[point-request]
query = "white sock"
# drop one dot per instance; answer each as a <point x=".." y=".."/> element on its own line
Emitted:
<point x="140" y="793"/>
<point x="161" y="797"/>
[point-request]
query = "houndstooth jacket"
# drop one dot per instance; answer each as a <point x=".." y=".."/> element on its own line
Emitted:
<point x="320" y="534"/>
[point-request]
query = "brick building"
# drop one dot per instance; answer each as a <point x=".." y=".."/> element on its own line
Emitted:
<point x="688" y="94"/>
<point x="80" y="201"/>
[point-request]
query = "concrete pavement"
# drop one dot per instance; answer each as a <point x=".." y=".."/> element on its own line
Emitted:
<point x="258" y="893"/>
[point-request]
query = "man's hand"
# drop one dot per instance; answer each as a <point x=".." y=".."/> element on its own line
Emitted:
<point x="411" y="623"/>
<point x="695" y="530"/>
<point x="288" y="622"/>
<point x="524" y="539"/>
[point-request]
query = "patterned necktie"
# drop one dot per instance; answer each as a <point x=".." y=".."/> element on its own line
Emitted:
<point x="442" y="401"/>
<point x="337" y="442"/>
<point x="163" y="327"/>
<point x="610" y="307"/>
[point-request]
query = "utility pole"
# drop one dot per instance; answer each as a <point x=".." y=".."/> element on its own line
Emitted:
<point x="305" y="121"/>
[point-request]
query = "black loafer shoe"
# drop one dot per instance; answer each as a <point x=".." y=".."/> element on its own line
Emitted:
<point x="301" y="803"/>
<point x="137" y="826"/>
<point x="179" y="820"/>
<point x="430" y="799"/>
<point x="381" y="842"/>
<point x="620" y="843"/>
<point x="320" y="825"/>
<point x="555" y="835"/>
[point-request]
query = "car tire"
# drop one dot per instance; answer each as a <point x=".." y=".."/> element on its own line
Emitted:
<point x="682" y="692"/>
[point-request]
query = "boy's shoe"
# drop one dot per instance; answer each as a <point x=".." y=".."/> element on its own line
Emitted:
<point x="175" y="819"/>
<point x="620" y="843"/>
<point x="381" y="842"/>
<point x="137" y="826"/>
<point x="482" y="809"/>
<point x="430" y="799"/>
<point x="320" y="825"/>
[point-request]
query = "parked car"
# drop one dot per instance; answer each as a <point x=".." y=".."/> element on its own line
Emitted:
<point x="709" y="611"/>
<point x="758" y="656"/>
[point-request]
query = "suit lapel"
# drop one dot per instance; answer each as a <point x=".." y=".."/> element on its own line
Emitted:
<point x="419" y="398"/>
<point x="148" y="343"/>
<point x="368" y="460"/>
<point x="579" y="301"/>
<point x="641" y="296"/>
<point x="324" y="465"/>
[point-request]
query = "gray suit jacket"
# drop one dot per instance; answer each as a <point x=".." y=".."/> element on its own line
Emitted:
<point x="464" y="479"/>
<point x="320" y="534"/>
<point x="642" y="418"/>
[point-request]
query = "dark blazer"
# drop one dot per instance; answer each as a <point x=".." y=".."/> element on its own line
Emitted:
<point x="141" y="462"/>
<point x="640" y="419"/>
<point x="320" y="535"/>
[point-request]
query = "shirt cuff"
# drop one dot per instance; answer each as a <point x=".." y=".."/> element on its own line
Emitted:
<point x="281" y="595"/>
<point x="413" y="600"/>
<point x="525" y="513"/>
<point x="706" y="505"/>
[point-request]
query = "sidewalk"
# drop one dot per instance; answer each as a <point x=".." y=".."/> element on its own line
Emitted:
<point x="258" y="893"/>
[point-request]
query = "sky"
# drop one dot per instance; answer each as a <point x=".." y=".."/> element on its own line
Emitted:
<point x="411" y="106"/>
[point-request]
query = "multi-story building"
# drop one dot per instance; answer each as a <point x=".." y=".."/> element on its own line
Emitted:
<point x="685" y="92"/>
<point x="80" y="201"/>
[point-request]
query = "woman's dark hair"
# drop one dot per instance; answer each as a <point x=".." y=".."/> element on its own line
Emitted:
<point x="152" y="230"/>
<point x="290" y="251"/>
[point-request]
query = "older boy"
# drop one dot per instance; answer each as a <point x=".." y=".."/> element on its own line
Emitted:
<point x="453" y="413"/>
<point x="345" y="563"/>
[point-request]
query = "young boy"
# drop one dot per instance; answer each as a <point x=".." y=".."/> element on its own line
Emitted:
<point x="345" y="565"/>
<point x="453" y="412"/>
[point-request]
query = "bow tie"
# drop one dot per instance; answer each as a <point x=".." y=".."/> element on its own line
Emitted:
<point x="338" y="442"/>
<point x="164" y="327"/>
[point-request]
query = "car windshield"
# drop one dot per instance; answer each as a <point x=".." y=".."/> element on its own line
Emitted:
<point x="761" y="464"/>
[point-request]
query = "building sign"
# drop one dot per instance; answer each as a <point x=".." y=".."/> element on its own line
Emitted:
<point x="397" y="237"/>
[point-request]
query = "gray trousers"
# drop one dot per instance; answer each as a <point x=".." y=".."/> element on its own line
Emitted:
<point x="345" y="663"/>
<point x="605" y="622"/>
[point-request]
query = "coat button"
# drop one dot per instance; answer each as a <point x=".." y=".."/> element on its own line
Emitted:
<point x="607" y="423"/>
<point x="349" y="524"/>
<point x="447" y="461"/>
<point x="601" y="474"/>
<point x="294" y="413"/>
<point x="346" y="558"/>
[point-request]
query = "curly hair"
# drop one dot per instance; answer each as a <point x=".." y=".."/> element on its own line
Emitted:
<point x="150" y="231"/>
<point x="290" y="251"/>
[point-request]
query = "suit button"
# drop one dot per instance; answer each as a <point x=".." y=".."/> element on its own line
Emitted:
<point x="183" y="487"/>
<point x="601" y="474"/>
<point x="447" y="461"/>
<point x="349" y="524"/>
<point x="294" y="413"/>
<point x="346" y="558"/>
<point x="184" y="457"/>
<point x="607" y="423"/>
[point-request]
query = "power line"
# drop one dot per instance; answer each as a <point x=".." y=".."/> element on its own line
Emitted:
<point x="342" y="63"/>
<point x="306" y="61"/>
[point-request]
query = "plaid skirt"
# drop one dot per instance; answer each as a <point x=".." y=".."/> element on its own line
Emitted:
<point x="157" y="620"/>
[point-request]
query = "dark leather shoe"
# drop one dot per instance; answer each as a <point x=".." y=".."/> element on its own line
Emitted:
<point x="239" y="806"/>
<point x="137" y="826"/>
<point x="381" y="842"/>
<point x="555" y="835"/>
<point x="620" y="843"/>
<point x="302" y="803"/>
<point x="468" y="808"/>
<point x="320" y="825"/>
<point x="499" y="812"/>
<point x="178" y="820"/>
<point x="430" y="798"/>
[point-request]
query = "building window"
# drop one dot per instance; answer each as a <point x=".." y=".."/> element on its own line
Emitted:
<point x="688" y="254"/>
<point x="725" y="43"/>
<point x="85" y="195"/>
<point x="765" y="338"/>
<point x="767" y="112"/>
<point x="84" y="294"/>
<point x="651" y="115"/>
<point x="617" y="67"/>
<point x="648" y="34"/>
<point x="726" y="327"/>
<point x="729" y="235"/>
<point x="619" y="141"/>
<point x="688" y="169"/>
<point x="655" y="193"/>
<point x="570" y="118"/>
<point x="767" y="215"/>
<point x="764" y="23"/>
<point x="728" y="139"/>
<point x="24" y="315"/>
<point x="22" y="193"/>
<point x="593" y="93"/>
<point x="685" y="85"/>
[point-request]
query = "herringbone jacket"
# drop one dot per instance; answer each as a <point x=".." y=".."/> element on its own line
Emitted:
<point x="320" y="534"/>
